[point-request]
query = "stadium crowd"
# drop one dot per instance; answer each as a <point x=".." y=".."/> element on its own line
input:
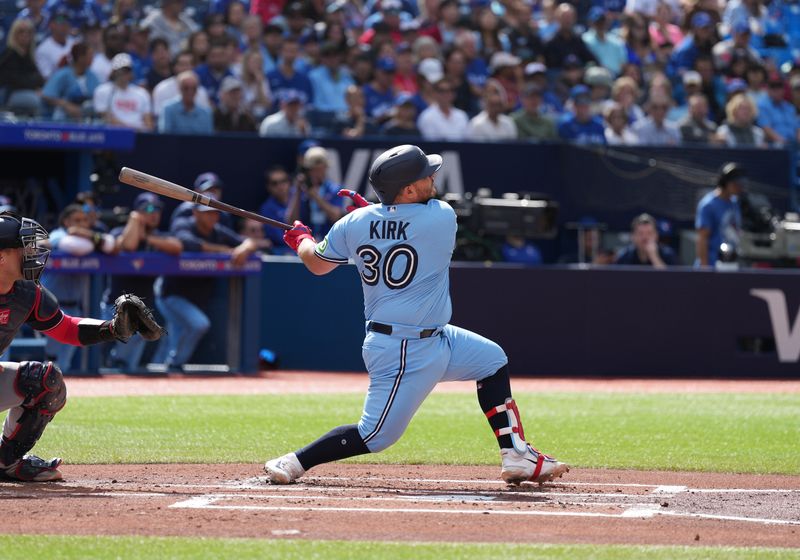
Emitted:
<point x="656" y="72"/>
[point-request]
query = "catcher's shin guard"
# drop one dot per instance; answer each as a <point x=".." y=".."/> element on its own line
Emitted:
<point x="42" y="387"/>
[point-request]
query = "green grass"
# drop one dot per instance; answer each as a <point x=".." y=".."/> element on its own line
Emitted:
<point x="86" y="548"/>
<point x="702" y="432"/>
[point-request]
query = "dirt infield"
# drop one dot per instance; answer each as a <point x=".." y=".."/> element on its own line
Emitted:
<point x="405" y="502"/>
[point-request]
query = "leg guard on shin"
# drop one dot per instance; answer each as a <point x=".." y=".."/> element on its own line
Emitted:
<point x="42" y="387"/>
<point x="513" y="424"/>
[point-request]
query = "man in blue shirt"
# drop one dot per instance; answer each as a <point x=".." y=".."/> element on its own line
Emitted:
<point x="183" y="116"/>
<point x="777" y="116"/>
<point x="379" y="94"/>
<point x="277" y="206"/>
<point x="287" y="78"/>
<point x="330" y="80"/>
<point x="214" y="70"/>
<point x="582" y="127"/>
<point x="71" y="86"/>
<point x="719" y="218"/>
<point x="699" y="41"/>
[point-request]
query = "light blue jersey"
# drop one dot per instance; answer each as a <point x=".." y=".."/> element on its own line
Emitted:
<point x="403" y="255"/>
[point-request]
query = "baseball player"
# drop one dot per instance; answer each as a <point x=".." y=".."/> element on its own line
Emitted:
<point x="402" y="248"/>
<point x="33" y="392"/>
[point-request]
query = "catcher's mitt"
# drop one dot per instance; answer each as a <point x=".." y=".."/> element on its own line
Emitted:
<point x="131" y="315"/>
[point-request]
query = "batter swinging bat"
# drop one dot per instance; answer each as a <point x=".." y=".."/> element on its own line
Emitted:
<point x="163" y="187"/>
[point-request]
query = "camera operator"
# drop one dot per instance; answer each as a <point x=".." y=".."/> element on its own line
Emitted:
<point x="719" y="218"/>
<point x="320" y="206"/>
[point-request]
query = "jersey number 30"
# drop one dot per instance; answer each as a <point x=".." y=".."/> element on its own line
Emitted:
<point x="377" y="265"/>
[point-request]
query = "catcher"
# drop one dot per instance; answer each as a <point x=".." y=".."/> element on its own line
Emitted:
<point x="33" y="392"/>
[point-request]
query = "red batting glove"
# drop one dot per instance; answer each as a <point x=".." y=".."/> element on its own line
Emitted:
<point x="293" y="237"/>
<point x="359" y="200"/>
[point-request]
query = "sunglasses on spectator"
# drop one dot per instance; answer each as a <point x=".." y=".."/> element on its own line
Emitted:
<point x="149" y="209"/>
<point x="280" y="181"/>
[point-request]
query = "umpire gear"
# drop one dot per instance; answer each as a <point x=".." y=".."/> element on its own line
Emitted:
<point x="399" y="167"/>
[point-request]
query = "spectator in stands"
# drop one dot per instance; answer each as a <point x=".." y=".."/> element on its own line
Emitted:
<point x="319" y="202"/>
<point x="73" y="236"/>
<point x="184" y="115"/>
<point x="443" y="121"/>
<point x="661" y="28"/>
<point x="139" y="49"/>
<point x="504" y="68"/>
<point x="286" y="76"/>
<point x="90" y="204"/>
<point x="637" y="41"/>
<point x="644" y="249"/>
<point x="352" y="123"/>
<point x="455" y="69"/>
<point x="282" y="204"/>
<point x="695" y="127"/>
<point x="214" y="26"/>
<point x="114" y="39"/>
<point x="404" y="118"/>
<point x="295" y="20"/>
<point x="214" y="70"/>
<point x="119" y="102"/>
<point x="329" y="81"/>
<point x="159" y="68"/>
<point x="267" y="9"/>
<point x="712" y="87"/>
<point x="182" y="303"/>
<point x="491" y="124"/>
<point x="566" y="42"/>
<point x="570" y="76"/>
<point x="582" y="127"/>
<point x="522" y="34"/>
<point x="719" y="218"/>
<point x="126" y="12"/>
<point x="70" y="89"/>
<point x="255" y="88"/>
<point x="429" y="71"/>
<point x="231" y="115"/>
<point x="655" y="129"/>
<point x="739" y="128"/>
<point x="535" y="73"/>
<point x="56" y="47"/>
<point x="289" y="121"/>
<point x="599" y="80"/>
<point x="254" y="230"/>
<point x="477" y="69"/>
<point x="20" y="79"/>
<point x="607" y="48"/>
<point x="617" y="131"/>
<point x="140" y="233"/>
<point x="516" y="249"/>
<point x="171" y="23"/>
<point x="379" y="94"/>
<point x="776" y="116"/>
<point x="405" y="75"/>
<point x="794" y="96"/>
<point x="698" y="42"/>
<point x="38" y="14"/>
<point x="625" y="91"/>
<point x="725" y="52"/>
<point x="168" y="90"/>
<point x="530" y="123"/>
<point x="273" y="44"/>
<point x="199" y="44"/>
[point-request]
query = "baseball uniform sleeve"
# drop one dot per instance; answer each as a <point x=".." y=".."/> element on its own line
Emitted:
<point x="334" y="247"/>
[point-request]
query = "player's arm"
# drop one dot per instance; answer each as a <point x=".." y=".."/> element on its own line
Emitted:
<point x="300" y="239"/>
<point x="166" y="244"/>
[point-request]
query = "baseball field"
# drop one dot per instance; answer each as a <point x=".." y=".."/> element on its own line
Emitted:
<point x="172" y="468"/>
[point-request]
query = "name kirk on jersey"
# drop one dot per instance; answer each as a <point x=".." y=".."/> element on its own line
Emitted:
<point x="388" y="229"/>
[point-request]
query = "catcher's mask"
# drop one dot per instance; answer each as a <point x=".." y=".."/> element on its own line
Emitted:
<point x="16" y="232"/>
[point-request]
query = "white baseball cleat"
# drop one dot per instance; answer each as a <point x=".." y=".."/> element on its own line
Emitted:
<point x="284" y="470"/>
<point x="532" y="466"/>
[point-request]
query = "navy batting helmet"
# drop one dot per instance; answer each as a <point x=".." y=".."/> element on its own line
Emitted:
<point x="729" y="173"/>
<point x="398" y="168"/>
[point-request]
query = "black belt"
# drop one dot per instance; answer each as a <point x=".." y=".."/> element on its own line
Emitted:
<point x="387" y="329"/>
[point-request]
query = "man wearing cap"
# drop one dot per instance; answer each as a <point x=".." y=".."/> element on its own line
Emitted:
<point x="695" y="127"/>
<point x="389" y="17"/>
<point x="379" y="94"/>
<point x="121" y="102"/>
<point x="170" y="22"/>
<point x="182" y="302"/>
<point x="719" y="219"/>
<point x="700" y="40"/>
<point x="209" y="184"/>
<point x="503" y="69"/>
<point x="776" y="115"/>
<point x="80" y="13"/>
<point x="566" y="42"/>
<point x="536" y="74"/>
<point x="607" y="48"/>
<point x="286" y="78"/>
<point x="404" y="118"/>
<point x="71" y="87"/>
<point x="582" y="127"/>
<point x="140" y="233"/>
<point x="491" y="124"/>
<point x="230" y="115"/>
<point x="441" y="120"/>
<point x="530" y="123"/>
<point x="184" y="115"/>
<point x="738" y="44"/>
<point x="289" y="121"/>
<point x="57" y="46"/>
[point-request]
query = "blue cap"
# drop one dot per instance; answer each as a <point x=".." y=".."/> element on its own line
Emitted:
<point x="740" y="27"/>
<point x="403" y="47"/>
<point x="292" y="96"/>
<point x="386" y="64"/>
<point x="144" y="200"/>
<point x="735" y="86"/>
<point x="305" y="145"/>
<point x="206" y="181"/>
<point x="702" y="19"/>
<point x="572" y="60"/>
<point x="596" y="14"/>
<point x="580" y="91"/>
<point x="403" y="98"/>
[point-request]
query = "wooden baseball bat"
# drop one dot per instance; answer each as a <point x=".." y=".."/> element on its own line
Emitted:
<point x="163" y="187"/>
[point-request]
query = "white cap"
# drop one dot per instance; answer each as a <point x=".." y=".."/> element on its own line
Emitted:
<point x="535" y="68"/>
<point x="431" y="69"/>
<point x="692" y="77"/>
<point x="120" y="61"/>
<point x="502" y="59"/>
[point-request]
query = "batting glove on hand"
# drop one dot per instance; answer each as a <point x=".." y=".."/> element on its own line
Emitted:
<point x="293" y="237"/>
<point x="359" y="200"/>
